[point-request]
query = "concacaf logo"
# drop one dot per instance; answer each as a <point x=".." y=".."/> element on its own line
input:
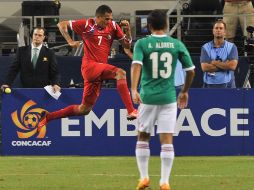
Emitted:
<point x="27" y="121"/>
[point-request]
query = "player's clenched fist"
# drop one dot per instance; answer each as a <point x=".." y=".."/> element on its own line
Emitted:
<point x="125" y="24"/>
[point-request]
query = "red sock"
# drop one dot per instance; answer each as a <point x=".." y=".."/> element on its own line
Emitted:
<point x="72" y="110"/>
<point x="125" y="94"/>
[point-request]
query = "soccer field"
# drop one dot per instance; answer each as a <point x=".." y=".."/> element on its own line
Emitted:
<point x="111" y="173"/>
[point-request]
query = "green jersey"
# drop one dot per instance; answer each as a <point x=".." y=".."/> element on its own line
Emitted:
<point x="158" y="55"/>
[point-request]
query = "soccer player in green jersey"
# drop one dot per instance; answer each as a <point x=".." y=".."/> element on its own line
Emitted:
<point x="157" y="55"/>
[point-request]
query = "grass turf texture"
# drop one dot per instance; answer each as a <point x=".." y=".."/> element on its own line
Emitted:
<point x="113" y="173"/>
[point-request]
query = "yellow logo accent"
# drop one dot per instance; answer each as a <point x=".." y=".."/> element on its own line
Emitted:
<point x="27" y="121"/>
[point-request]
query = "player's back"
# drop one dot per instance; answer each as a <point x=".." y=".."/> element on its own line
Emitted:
<point x="159" y="54"/>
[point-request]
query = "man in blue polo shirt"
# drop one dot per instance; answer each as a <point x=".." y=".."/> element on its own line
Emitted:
<point x="179" y="75"/>
<point x="219" y="59"/>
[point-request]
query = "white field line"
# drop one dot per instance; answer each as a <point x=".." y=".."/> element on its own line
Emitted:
<point x="128" y="175"/>
<point x="177" y="175"/>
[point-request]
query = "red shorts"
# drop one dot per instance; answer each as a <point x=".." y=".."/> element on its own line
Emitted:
<point x="93" y="74"/>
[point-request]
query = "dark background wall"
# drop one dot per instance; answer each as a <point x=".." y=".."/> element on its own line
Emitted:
<point x="69" y="67"/>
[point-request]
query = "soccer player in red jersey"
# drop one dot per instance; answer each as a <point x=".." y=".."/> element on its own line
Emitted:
<point x="97" y="35"/>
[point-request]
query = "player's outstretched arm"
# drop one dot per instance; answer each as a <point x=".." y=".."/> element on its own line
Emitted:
<point x="63" y="28"/>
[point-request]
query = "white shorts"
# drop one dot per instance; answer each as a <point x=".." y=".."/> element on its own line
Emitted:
<point x="162" y="115"/>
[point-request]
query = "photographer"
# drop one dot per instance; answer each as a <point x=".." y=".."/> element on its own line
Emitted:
<point x="249" y="43"/>
<point x="219" y="59"/>
<point x="232" y="11"/>
<point x="249" y="53"/>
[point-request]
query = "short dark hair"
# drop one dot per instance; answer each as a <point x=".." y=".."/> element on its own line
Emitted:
<point x="40" y="28"/>
<point x="102" y="10"/>
<point x="220" y="21"/>
<point x="157" y="20"/>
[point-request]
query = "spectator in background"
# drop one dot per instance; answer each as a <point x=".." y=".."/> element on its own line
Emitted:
<point x="36" y="64"/>
<point x="179" y="75"/>
<point x="232" y="14"/>
<point x="219" y="59"/>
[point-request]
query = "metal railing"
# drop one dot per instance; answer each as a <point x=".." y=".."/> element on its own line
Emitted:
<point x="176" y="29"/>
<point x="178" y="7"/>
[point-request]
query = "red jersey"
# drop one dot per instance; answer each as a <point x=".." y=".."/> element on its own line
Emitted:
<point x="97" y="40"/>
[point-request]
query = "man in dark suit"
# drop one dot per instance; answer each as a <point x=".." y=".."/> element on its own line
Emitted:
<point x="36" y="63"/>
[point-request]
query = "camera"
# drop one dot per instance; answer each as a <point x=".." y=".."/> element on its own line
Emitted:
<point x="249" y="41"/>
<point x="250" y="29"/>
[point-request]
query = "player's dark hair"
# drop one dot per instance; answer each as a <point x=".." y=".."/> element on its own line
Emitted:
<point x="157" y="20"/>
<point x="102" y="10"/>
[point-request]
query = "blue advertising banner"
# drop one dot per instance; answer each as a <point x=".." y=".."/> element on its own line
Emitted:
<point x="216" y="122"/>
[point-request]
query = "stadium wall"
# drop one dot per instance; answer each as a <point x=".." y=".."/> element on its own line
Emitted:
<point x="69" y="67"/>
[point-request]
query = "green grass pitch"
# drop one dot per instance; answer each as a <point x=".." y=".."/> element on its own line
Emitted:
<point x="120" y="173"/>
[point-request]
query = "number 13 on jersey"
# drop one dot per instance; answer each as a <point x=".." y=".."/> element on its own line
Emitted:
<point x="161" y="65"/>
